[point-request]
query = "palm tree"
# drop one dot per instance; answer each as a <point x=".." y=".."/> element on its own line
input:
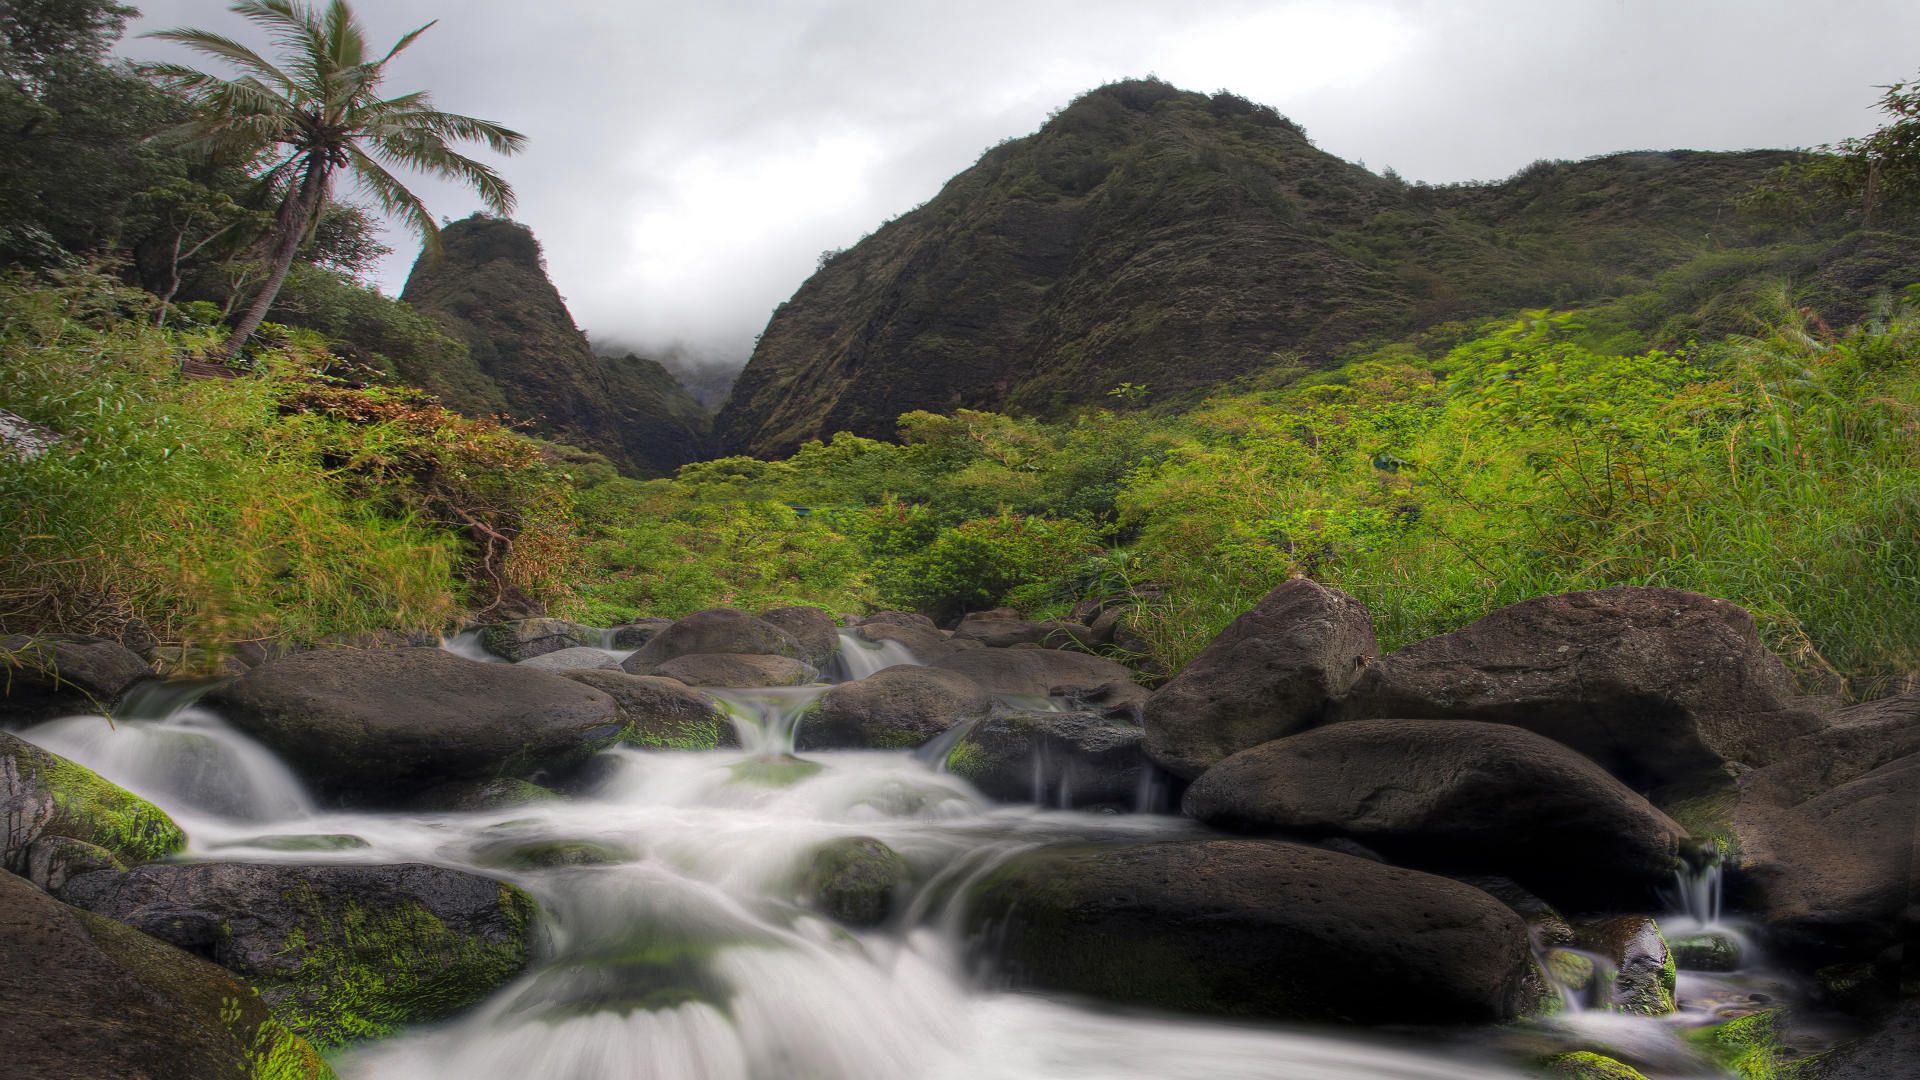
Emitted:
<point x="319" y="112"/>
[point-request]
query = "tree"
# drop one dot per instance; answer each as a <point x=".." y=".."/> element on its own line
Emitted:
<point x="1883" y="168"/>
<point x="318" y="112"/>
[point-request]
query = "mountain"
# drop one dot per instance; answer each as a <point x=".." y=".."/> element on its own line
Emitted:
<point x="489" y="287"/>
<point x="1178" y="240"/>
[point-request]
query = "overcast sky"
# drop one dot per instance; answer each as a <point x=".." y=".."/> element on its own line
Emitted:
<point x="689" y="161"/>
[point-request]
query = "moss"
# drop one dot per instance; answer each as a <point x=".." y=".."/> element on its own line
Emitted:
<point x="783" y="771"/>
<point x="1570" y="969"/>
<point x="678" y="733"/>
<point x="854" y="879"/>
<point x="1750" y="1048"/>
<point x="1586" y="1065"/>
<point x="547" y="854"/>
<point x="307" y="842"/>
<point x="1705" y="952"/>
<point x="89" y="808"/>
<point x="968" y="762"/>
<point x="362" y="973"/>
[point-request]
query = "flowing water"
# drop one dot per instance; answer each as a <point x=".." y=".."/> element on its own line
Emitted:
<point x="688" y="953"/>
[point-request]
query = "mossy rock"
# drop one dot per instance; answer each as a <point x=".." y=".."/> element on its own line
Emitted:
<point x="338" y="952"/>
<point x="1705" y="952"/>
<point x="1571" y="970"/>
<point x="1644" y="972"/>
<point x="1751" y="1048"/>
<point x="485" y="795"/>
<point x="1587" y="1065"/>
<point x="648" y="980"/>
<point x="43" y="794"/>
<point x="304" y="842"/>
<point x="774" y="772"/>
<point x="662" y="713"/>
<point x="548" y="854"/>
<point x="855" y="880"/>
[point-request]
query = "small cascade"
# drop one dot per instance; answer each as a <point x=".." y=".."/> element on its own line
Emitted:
<point x="934" y="752"/>
<point x="766" y="719"/>
<point x="466" y="644"/>
<point x="1698" y="894"/>
<point x="858" y="658"/>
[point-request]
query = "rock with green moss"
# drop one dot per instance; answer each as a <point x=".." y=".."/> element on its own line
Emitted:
<point x="525" y="639"/>
<point x="1644" y="971"/>
<point x="1705" y="952"/>
<point x="897" y="708"/>
<point x="338" y="952"/>
<point x="1254" y="928"/>
<point x="1572" y="972"/>
<point x="84" y="996"/>
<point x="1587" y="1065"/>
<point x="662" y="713"/>
<point x="1753" y="1048"/>
<point x="783" y="770"/>
<point x="44" y="795"/>
<point x="856" y="879"/>
<point x="548" y="854"/>
<point x="63" y="674"/>
<point x="1064" y="759"/>
<point x="54" y="860"/>
<point x="485" y="795"/>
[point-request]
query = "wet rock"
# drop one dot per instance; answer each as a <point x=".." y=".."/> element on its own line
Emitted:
<point x="1453" y="796"/>
<point x="856" y="880"/>
<point x="1086" y="682"/>
<point x="63" y="675"/>
<point x="924" y="643"/>
<point x="1059" y="759"/>
<point x="775" y="771"/>
<point x="1705" y="952"/>
<point x="812" y="627"/>
<point x="663" y="713"/>
<point x="525" y="639"/>
<point x="711" y="632"/>
<point x="1659" y="686"/>
<point x="1002" y="633"/>
<point x="84" y="997"/>
<point x="377" y="726"/>
<point x="44" y="796"/>
<point x="466" y="795"/>
<point x="303" y="842"/>
<point x="897" y="708"/>
<point x="1644" y="972"/>
<point x="905" y="618"/>
<point x="547" y="854"/>
<point x="578" y="658"/>
<point x="1254" y="928"/>
<point x="52" y="861"/>
<point x="737" y="670"/>
<point x="1573" y="972"/>
<point x="1545" y="924"/>
<point x="1889" y="1050"/>
<point x="637" y="633"/>
<point x="1272" y="672"/>
<point x="337" y="952"/>
<point x="1587" y="1065"/>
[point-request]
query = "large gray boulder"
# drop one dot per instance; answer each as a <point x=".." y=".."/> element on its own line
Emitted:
<point x="524" y="639"/>
<point x="737" y="670"/>
<point x="715" y="630"/>
<point x="578" y="658"/>
<point x="85" y="997"/>
<point x="63" y="675"/>
<point x="1005" y="633"/>
<point x="44" y="797"/>
<point x="856" y="880"/>
<point x="662" y="713"/>
<point x="1061" y="759"/>
<point x="897" y="708"/>
<point x="377" y="726"/>
<point x="1273" y="671"/>
<point x="337" y="952"/>
<point x="1254" y="928"/>
<point x="812" y="627"/>
<point x="925" y="642"/>
<point x="1455" y="796"/>
<point x="1660" y="686"/>
<point x="1083" y="681"/>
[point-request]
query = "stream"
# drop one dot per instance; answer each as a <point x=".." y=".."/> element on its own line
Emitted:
<point x="688" y="953"/>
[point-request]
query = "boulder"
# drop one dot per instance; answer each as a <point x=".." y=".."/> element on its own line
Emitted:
<point x="637" y="633"/>
<point x="855" y="880"/>
<point x="1002" y="633"/>
<point x="1062" y="759"/>
<point x="338" y="952"/>
<point x="905" y="618"/>
<point x="1085" y="682"/>
<point x="470" y="795"/>
<point x="1587" y="1065"/>
<point x="1273" y="671"/>
<point x="54" y="860"/>
<point x="577" y="658"/>
<point x="1107" y="625"/>
<point x="714" y="631"/>
<point x="989" y="615"/>
<point x="377" y="726"/>
<point x="736" y="670"/>
<point x="83" y="997"/>
<point x="1644" y="971"/>
<point x="1659" y="686"/>
<point x="1454" y="796"/>
<point x="813" y="628"/>
<point x="525" y="639"/>
<point x="44" y="796"/>
<point x="897" y="708"/>
<point x="924" y="642"/>
<point x="1254" y="928"/>
<point x="662" y="713"/>
<point x="64" y="674"/>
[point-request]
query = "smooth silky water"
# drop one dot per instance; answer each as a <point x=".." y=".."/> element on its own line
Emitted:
<point x="689" y="955"/>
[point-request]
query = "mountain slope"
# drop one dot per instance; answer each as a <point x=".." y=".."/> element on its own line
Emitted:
<point x="490" y="288"/>
<point x="1158" y="237"/>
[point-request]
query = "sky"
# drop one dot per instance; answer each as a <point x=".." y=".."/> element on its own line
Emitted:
<point x="689" y="161"/>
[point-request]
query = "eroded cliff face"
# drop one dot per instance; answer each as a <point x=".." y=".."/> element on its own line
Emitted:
<point x="491" y="290"/>
<point x="1180" y="241"/>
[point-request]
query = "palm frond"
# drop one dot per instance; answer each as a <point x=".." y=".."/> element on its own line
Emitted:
<point x="401" y="45"/>
<point x="347" y="42"/>
<point x="294" y="29"/>
<point x="393" y="197"/>
<point x="226" y="48"/>
<point x="428" y="154"/>
<point x="451" y="126"/>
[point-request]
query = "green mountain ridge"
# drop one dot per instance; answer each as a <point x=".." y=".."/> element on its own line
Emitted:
<point x="1153" y="236"/>
<point x="490" y="289"/>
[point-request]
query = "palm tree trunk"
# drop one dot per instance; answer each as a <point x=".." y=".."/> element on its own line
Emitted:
<point x="289" y="228"/>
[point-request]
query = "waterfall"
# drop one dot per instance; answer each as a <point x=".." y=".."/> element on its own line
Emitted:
<point x="858" y="658"/>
